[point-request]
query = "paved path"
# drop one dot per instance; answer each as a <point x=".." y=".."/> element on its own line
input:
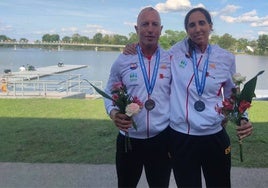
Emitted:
<point x="25" y="175"/>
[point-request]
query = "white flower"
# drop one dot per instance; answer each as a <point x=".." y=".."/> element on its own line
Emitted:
<point x="238" y="79"/>
<point x="132" y="109"/>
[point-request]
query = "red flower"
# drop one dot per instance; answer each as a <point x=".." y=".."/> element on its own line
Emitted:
<point x="136" y="100"/>
<point x="218" y="109"/>
<point x="243" y="106"/>
<point x="228" y="104"/>
<point x="117" y="86"/>
<point x="115" y="97"/>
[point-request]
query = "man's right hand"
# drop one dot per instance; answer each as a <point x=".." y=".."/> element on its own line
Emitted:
<point x="122" y="121"/>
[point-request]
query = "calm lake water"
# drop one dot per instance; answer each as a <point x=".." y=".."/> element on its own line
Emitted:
<point x="99" y="63"/>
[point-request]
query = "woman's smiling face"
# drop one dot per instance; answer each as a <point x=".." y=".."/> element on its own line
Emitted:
<point x="198" y="29"/>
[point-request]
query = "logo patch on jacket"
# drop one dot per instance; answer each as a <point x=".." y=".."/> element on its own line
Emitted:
<point x="212" y="65"/>
<point x="133" y="76"/>
<point x="163" y="66"/>
<point x="183" y="64"/>
<point x="133" y="66"/>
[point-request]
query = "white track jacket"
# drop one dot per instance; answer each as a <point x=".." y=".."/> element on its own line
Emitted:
<point x="221" y="66"/>
<point x="128" y="70"/>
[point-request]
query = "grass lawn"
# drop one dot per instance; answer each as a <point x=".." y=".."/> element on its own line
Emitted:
<point x="255" y="147"/>
<point x="52" y="130"/>
<point x="79" y="131"/>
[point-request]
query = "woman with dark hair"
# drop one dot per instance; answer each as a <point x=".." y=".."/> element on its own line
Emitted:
<point x="202" y="77"/>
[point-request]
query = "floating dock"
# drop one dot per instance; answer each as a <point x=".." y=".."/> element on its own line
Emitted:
<point x="26" y="84"/>
<point x="40" y="72"/>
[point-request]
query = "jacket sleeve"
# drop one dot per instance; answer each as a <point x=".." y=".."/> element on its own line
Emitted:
<point x="114" y="76"/>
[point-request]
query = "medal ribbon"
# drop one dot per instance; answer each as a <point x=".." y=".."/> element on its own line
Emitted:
<point x="149" y="86"/>
<point x="200" y="86"/>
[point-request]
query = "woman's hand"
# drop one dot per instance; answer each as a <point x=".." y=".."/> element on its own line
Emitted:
<point x="245" y="129"/>
<point x="130" y="49"/>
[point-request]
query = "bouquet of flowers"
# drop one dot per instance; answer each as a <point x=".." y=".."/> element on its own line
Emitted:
<point x="127" y="104"/>
<point x="234" y="108"/>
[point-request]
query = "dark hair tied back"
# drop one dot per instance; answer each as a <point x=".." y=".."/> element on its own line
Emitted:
<point x="191" y="47"/>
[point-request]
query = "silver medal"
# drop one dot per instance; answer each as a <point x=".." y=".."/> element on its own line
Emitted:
<point x="149" y="104"/>
<point x="199" y="106"/>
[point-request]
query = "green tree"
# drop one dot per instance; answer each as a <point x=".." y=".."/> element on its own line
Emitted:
<point x="168" y="39"/>
<point x="119" y="39"/>
<point x="242" y="44"/>
<point x="97" y="38"/>
<point x="214" y="39"/>
<point x="54" y="38"/>
<point x="83" y="39"/>
<point x="133" y="38"/>
<point x="51" y="38"/>
<point x="67" y="39"/>
<point x="171" y="37"/>
<point x="262" y="43"/>
<point x="164" y="43"/>
<point x="4" y="38"/>
<point x="227" y="41"/>
<point x="24" y="40"/>
<point x="106" y="39"/>
<point x="75" y="38"/>
<point x="46" y="38"/>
